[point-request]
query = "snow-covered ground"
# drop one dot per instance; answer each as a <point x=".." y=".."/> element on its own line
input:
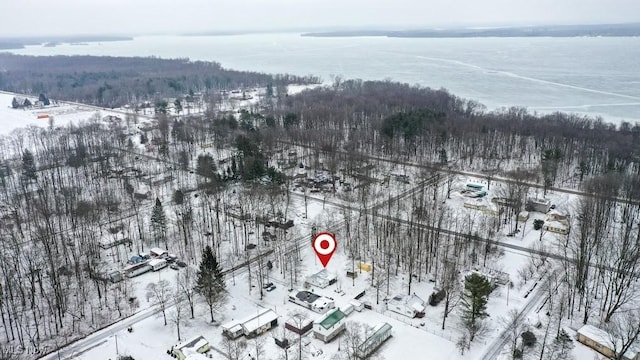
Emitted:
<point x="62" y="113"/>
<point x="412" y="338"/>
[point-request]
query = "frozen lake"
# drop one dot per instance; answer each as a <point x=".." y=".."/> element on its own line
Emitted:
<point x="592" y="75"/>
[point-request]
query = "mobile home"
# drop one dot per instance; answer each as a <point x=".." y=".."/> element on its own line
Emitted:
<point x="321" y="279"/>
<point x="157" y="264"/>
<point x="311" y="301"/>
<point x="137" y="269"/>
<point x="330" y="325"/>
<point x="257" y="325"/>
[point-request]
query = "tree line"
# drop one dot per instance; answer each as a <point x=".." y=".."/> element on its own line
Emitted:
<point x="117" y="81"/>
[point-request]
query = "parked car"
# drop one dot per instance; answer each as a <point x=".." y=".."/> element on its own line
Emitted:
<point x="171" y="258"/>
<point x="174" y="266"/>
<point x="271" y="288"/>
<point x="181" y="263"/>
<point x="267" y="285"/>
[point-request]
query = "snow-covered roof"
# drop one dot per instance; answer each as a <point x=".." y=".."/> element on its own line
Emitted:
<point x="598" y="335"/>
<point x="154" y="262"/>
<point x="264" y="317"/>
<point x="604" y="338"/>
<point x="414" y="302"/>
<point x="557" y="225"/>
<point x="322" y="302"/>
<point x="539" y="201"/>
<point x="301" y="322"/>
<point x="192" y="345"/>
<point x="230" y="324"/>
<point x="196" y="356"/>
<point x="321" y="278"/>
<point x="331" y="318"/>
<point x="157" y="251"/>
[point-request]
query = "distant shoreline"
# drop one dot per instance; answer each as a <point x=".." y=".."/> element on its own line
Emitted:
<point x="616" y="30"/>
<point x="13" y="43"/>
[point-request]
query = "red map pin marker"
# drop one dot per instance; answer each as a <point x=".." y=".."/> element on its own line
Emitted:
<point x="324" y="244"/>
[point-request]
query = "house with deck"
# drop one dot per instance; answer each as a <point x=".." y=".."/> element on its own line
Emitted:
<point x="311" y="301"/>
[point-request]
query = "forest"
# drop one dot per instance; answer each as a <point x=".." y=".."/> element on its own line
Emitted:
<point x="63" y="189"/>
<point x="117" y="81"/>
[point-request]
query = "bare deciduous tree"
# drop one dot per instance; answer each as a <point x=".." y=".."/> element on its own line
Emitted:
<point x="160" y="292"/>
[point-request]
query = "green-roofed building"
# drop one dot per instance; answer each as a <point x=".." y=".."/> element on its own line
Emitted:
<point x="329" y="325"/>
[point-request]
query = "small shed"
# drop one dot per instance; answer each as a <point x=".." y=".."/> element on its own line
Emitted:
<point x="299" y="326"/>
<point x="158" y="252"/>
<point x="357" y="305"/>
<point x="364" y="266"/>
<point x="330" y="325"/>
<point x="157" y="264"/>
<point x="523" y="216"/>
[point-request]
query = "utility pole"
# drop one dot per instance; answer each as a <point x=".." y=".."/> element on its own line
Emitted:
<point x="117" y="352"/>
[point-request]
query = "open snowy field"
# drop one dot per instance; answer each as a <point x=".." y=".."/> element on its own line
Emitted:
<point x="62" y="114"/>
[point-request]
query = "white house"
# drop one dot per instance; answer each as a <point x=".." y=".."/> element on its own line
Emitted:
<point x="252" y="325"/>
<point x="407" y="305"/>
<point x="557" y="222"/>
<point x="321" y="279"/>
<point x="190" y="348"/>
<point x="311" y="301"/>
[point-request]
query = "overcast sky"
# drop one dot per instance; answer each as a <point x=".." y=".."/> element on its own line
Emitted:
<point x="136" y="17"/>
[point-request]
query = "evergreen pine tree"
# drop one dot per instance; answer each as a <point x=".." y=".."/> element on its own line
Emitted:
<point x="474" y="301"/>
<point x="28" y="165"/>
<point x="210" y="281"/>
<point x="159" y="224"/>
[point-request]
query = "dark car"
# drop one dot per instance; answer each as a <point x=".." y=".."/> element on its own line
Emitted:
<point x="271" y="288"/>
<point x="181" y="263"/>
<point x="268" y="285"/>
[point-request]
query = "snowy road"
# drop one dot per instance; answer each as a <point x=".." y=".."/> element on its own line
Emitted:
<point x="500" y="342"/>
